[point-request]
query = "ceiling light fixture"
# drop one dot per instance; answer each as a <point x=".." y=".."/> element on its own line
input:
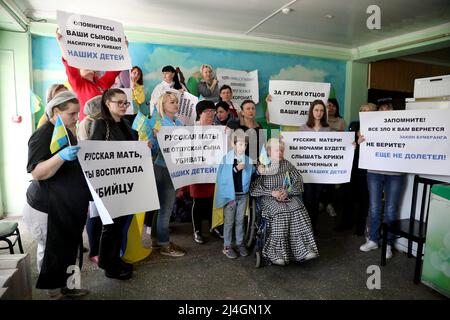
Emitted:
<point x="282" y="9"/>
<point x="286" y="10"/>
<point x="329" y="16"/>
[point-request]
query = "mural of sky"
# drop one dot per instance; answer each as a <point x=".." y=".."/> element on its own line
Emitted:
<point x="48" y="68"/>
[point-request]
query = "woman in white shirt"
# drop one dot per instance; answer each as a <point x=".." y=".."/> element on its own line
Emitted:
<point x="170" y="82"/>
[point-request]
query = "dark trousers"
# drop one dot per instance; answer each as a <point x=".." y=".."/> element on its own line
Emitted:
<point x="201" y="209"/>
<point x="94" y="232"/>
<point x="311" y="198"/>
<point x="110" y="245"/>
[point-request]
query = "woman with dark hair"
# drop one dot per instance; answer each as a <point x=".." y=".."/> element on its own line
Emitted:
<point x="223" y="114"/>
<point x="57" y="198"/>
<point x="246" y="121"/>
<point x="113" y="126"/>
<point x="170" y="82"/>
<point x="137" y="84"/>
<point x="225" y="95"/>
<point x="334" y="118"/>
<point x="317" y="122"/>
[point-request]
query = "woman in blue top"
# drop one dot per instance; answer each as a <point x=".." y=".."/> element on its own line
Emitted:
<point x="167" y="107"/>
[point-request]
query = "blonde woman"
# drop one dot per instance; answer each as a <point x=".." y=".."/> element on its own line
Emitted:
<point x="208" y="86"/>
<point x="167" y="107"/>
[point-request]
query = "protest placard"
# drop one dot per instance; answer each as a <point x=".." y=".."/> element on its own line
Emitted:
<point x="414" y="141"/>
<point x="291" y="100"/>
<point x="120" y="176"/>
<point x="321" y="157"/>
<point x="93" y="43"/>
<point x="192" y="153"/>
<point x="243" y="83"/>
<point x="187" y="113"/>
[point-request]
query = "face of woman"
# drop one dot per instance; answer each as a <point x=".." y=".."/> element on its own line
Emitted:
<point x="240" y="147"/>
<point x="249" y="110"/>
<point x="222" y="114"/>
<point x="117" y="105"/>
<point x="135" y="75"/>
<point x="171" y="105"/>
<point x="168" y="76"/>
<point x="207" y="117"/>
<point x="365" y="109"/>
<point x="384" y="107"/>
<point x="318" y="112"/>
<point x="277" y="152"/>
<point x="68" y="116"/>
<point x="207" y="74"/>
<point x="331" y="109"/>
<point x="226" y="95"/>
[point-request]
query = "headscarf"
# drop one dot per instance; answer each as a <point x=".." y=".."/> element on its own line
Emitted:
<point x="60" y="98"/>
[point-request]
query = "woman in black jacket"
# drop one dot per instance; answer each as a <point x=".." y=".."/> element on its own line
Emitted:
<point x="112" y="126"/>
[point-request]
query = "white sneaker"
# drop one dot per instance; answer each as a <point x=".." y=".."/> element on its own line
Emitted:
<point x="279" y="262"/>
<point x="388" y="252"/>
<point x="369" y="245"/>
<point x="331" y="211"/>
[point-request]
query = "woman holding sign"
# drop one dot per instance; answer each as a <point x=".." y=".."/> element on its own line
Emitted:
<point x="167" y="107"/>
<point x="317" y="122"/>
<point x="289" y="232"/>
<point x="111" y="126"/>
<point x="57" y="198"/>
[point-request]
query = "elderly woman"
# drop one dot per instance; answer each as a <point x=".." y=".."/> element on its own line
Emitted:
<point x="289" y="232"/>
<point x="57" y="198"/>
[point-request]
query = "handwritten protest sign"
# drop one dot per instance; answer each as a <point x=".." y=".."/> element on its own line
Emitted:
<point x="291" y="100"/>
<point x="415" y="141"/>
<point x="243" y="83"/>
<point x="321" y="157"/>
<point x="120" y="176"/>
<point x="93" y="43"/>
<point x="192" y="153"/>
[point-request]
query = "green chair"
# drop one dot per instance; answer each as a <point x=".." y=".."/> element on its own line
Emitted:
<point x="8" y="229"/>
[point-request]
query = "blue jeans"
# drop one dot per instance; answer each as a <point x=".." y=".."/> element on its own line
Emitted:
<point x="392" y="187"/>
<point x="166" y="194"/>
<point x="233" y="215"/>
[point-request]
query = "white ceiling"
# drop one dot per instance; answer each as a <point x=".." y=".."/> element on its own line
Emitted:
<point x="306" y="23"/>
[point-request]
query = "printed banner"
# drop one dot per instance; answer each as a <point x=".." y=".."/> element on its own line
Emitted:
<point x="193" y="153"/>
<point x="187" y="103"/>
<point x="291" y="100"/>
<point x="243" y="83"/>
<point x="93" y="43"/>
<point x="413" y="141"/>
<point x="120" y="176"/>
<point x="321" y="157"/>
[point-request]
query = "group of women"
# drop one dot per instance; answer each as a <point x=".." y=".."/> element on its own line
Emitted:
<point x="58" y="197"/>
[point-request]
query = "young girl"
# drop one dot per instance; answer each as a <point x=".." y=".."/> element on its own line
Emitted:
<point x="233" y="182"/>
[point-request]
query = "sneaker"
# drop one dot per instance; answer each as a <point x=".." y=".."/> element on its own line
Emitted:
<point x="369" y="245"/>
<point x="74" y="293"/>
<point x="279" y="262"/>
<point x="243" y="250"/>
<point x="229" y="252"/>
<point x="119" y="274"/>
<point x="310" y="255"/>
<point x="55" y="294"/>
<point x="172" y="250"/>
<point x="217" y="233"/>
<point x="388" y="252"/>
<point x="331" y="211"/>
<point x="198" y="237"/>
<point x="155" y="244"/>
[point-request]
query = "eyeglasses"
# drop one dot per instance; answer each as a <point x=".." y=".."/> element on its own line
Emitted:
<point x="122" y="103"/>
<point x="209" y="111"/>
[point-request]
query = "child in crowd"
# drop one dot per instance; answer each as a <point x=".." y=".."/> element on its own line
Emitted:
<point x="233" y="183"/>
